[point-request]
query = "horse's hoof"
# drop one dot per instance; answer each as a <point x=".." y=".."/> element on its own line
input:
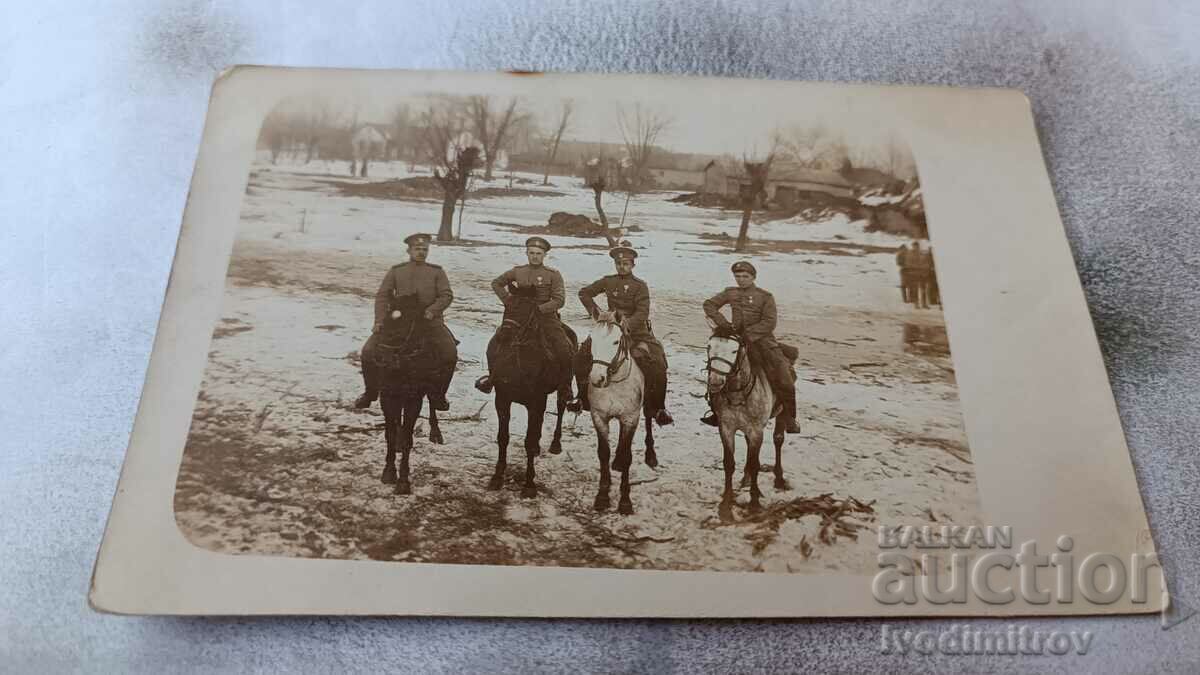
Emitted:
<point x="556" y="448"/>
<point x="725" y="512"/>
<point x="496" y="482"/>
<point x="745" y="482"/>
<point x="651" y="460"/>
<point x="403" y="488"/>
<point x="625" y="508"/>
<point x="602" y="503"/>
<point x="435" y="437"/>
<point x="389" y="475"/>
<point x="782" y="484"/>
<point x="529" y="492"/>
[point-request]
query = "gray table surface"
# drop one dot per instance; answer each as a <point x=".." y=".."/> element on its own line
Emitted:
<point x="102" y="106"/>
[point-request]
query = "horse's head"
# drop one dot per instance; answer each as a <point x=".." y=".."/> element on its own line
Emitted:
<point x="723" y="354"/>
<point x="405" y="306"/>
<point x="606" y="337"/>
<point x="404" y="312"/>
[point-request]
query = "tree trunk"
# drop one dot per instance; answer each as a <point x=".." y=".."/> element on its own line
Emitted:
<point x="553" y="154"/>
<point x="487" y="167"/>
<point x="446" y="229"/>
<point x="744" y="230"/>
<point x="603" y="218"/>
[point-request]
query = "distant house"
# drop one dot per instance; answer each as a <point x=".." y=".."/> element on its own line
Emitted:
<point x="789" y="185"/>
<point x="677" y="179"/>
<point x="865" y="179"/>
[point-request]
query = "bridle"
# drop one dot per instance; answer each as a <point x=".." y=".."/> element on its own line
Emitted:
<point x="622" y="357"/>
<point x="731" y="374"/>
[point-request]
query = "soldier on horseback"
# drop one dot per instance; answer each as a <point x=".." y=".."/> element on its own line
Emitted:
<point x="545" y="285"/>
<point x="754" y="318"/>
<point x="630" y="297"/>
<point x="429" y="283"/>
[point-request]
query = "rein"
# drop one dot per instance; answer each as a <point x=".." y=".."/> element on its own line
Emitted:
<point x="619" y="360"/>
<point x="734" y="370"/>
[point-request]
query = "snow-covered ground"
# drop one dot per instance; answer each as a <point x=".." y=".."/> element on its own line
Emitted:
<point x="279" y="463"/>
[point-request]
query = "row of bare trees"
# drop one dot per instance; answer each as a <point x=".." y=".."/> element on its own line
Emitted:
<point x="457" y="136"/>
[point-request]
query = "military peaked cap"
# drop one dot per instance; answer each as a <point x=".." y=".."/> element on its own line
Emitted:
<point x="419" y="238"/>
<point x="537" y="242"/>
<point x="623" y="251"/>
<point x="743" y="266"/>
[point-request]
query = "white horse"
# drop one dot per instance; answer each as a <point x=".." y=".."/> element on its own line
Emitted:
<point x="741" y="396"/>
<point x="616" y="388"/>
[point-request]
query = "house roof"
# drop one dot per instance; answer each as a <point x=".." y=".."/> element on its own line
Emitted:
<point x="868" y="177"/>
<point x="790" y="173"/>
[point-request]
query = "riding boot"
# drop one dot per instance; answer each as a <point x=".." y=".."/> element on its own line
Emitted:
<point x="790" y="425"/>
<point x="484" y="384"/>
<point x="583" y="366"/>
<point x="710" y="418"/>
<point x="370" y="376"/>
<point x="437" y="399"/>
<point x="779" y="375"/>
<point x="656" y="385"/>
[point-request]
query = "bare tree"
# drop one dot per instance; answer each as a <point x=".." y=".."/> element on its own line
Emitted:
<point x="640" y="131"/>
<point x="453" y="154"/>
<point x="491" y="128"/>
<point x="815" y="147"/>
<point x="400" y="129"/>
<point x="315" y="119"/>
<point x="275" y="132"/>
<point x="599" y="173"/>
<point x="752" y="190"/>
<point x="564" y="121"/>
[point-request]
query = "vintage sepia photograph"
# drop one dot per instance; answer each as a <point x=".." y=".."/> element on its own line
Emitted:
<point x="470" y="328"/>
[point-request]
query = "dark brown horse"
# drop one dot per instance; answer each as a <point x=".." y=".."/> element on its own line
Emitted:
<point x="407" y="377"/>
<point x="524" y="371"/>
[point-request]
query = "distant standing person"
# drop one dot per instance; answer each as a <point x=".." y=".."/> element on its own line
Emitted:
<point x="905" y="269"/>
<point x="429" y="283"/>
<point x="933" y="293"/>
<point x="920" y="266"/>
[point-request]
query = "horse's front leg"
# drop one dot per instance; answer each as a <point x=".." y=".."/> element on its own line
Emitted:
<point x="625" y="460"/>
<point x="780" y="482"/>
<point x="533" y="444"/>
<point x="412" y="409"/>
<point x="556" y="443"/>
<point x="602" y="453"/>
<point x="503" y="413"/>
<point x="754" y="442"/>
<point x="435" y="430"/>
<point x="725" y="510"/>
<point x="651" y="458"/>
<point x="389" y="434"/>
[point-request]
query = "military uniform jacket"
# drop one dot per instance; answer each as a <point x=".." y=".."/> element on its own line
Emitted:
<point x="628" y="295"/>
<point x="754" y="313"/>
<point x="426" y="280"/>
<point x="550" y="292"/>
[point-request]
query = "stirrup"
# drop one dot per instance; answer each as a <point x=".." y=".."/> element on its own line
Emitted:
<point x="663" y="418"/>
<point x="575" y="405"/>
<point x="484" y="384"/>
<point x="710" y="418"/>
